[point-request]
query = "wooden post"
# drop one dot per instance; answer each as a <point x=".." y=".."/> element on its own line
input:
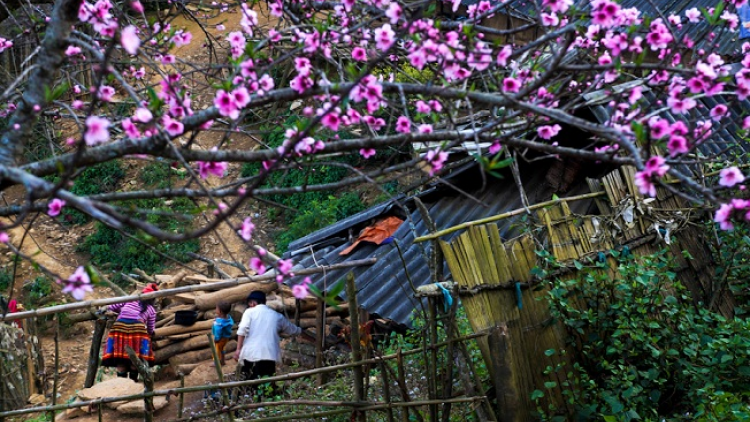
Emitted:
<point x="148" y="384"/>
<point x="507" y="396"/>
<point x="3" y="393"/>
<point x="96" y="344"/>
<point x="351" y="294"/>
<point x="432" y="361"/>
<point x="210" y="269"/>
<point x="386" y="389"/>
<point x="99" y="411"/>
<point x="181" y="405"/>
<point x="450" y="351"/>
<point x="297" y="311"/>
<point x="320" y="338"/>
<point x="56" y="378"/>
<point x="466" y="368"/>
<point x="220" y="374"/>
<point x="402" y="387"/>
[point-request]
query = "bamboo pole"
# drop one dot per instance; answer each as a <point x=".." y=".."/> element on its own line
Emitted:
<point x="3" y="393"/>
<point x="351" y="295"/>
<point x="506" y="396"/>
<point x="364" y="407"/>
<point x="148" y="384"/>
<point x="219" y="374"/>
<point x="181" y="405"/>
<point x="55" y="382"/>
<point x="320" y="336"/>
<point x="386" y="390"/>
<point x="402" y="385"/>
<point x="432" y="361"/>
<point x="450" y="357"/>
<point x="185" y="289"/>
<point x="505" y="215"/>
<point x="227" y="385"/>
<point x="96" y="343"/>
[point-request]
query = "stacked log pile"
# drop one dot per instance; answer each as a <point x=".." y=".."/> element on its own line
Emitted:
<point x="182" y="347"/>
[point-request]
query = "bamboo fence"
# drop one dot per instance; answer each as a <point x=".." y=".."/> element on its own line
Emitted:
<point x="494" y="275"/>
<point x="20" y="361"/>
<point x="360" y="368"/>
<point x="231" y="385"/>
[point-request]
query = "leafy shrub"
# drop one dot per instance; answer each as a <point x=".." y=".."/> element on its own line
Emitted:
<point x="100" y="178"/>
<point x="110" y="249"/>
<point x="37" y="292"/>
<point x="6" y="278"/>
<point x="643" y="349"/>
<point x="731" y="253"/>
<point x="157" y="175"/>
<point x="313" y="210"/>
<point x="318" y="214"/>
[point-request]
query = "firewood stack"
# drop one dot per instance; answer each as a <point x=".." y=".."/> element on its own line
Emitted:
<point x="183" y="346"/>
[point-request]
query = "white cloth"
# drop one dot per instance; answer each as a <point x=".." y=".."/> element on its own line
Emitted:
<point x="261" y="327"/>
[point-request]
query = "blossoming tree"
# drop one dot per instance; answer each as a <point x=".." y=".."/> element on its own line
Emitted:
<point x="350" y="66"/>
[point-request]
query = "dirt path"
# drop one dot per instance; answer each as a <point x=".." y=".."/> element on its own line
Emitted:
<point x="52" y="245"/>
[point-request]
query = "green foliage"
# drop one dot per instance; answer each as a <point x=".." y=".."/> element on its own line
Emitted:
<point x="158" y="175"/>
<point x="6" y="279"/>
<point x="100" y="178"/>
<point x="643" y="349"/>
<point x="110" y="249"/>
<point x="37" y="292"/>
<point x="306" y="212"/>
<point x="731" y="253"/>
<point x="318" y="214"/>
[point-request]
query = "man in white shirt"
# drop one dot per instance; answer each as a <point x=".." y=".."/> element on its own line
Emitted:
<point x="258" y="338"/>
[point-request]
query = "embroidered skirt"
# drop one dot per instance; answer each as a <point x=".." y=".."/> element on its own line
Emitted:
<point x="127" y="333"/>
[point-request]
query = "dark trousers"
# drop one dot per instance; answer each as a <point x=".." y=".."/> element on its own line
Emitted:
<point x="256" y="370"/>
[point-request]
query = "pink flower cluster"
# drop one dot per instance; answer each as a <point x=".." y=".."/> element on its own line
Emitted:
<point x="300" y="291"/>
<point x="735" y="210"/>
<point x="77" y="284"/>
<point x="207" y="168"/>
<point x="246" y="230"/>
<point x="231" y="103"/>
<point x="99" y="16"/>
<point x="55" y="206"/>
<point x="436" y="159"/>
<point x="5" y="44"/>
<point x="655" y="168"/>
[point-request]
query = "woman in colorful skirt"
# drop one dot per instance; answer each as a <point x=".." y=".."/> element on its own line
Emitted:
<point x="133" y="328"/>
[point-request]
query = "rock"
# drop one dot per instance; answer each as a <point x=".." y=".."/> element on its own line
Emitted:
<point x="37" y="399"/>
<point x="162" y="278"/>
<point x="72" y="413"/>
<point x="138" y="407"/>
<point x="111" y="388"/>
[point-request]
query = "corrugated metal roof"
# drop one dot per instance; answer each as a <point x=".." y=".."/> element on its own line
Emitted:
<point x="384" y="288"/>
<point x="724" y="141"/>
<point x="725" y="42"/>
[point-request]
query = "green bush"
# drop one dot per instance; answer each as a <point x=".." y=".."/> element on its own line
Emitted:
<point x="100" y="178"/>
<point x="157" y="175"/>
<point x="112" y="250"/>
<point x="319" y="214"/>
<point x="731" y="253"/>
<point x="6" y="278"/>
<point x="306" y="212"/>
<point x="38" y="292"/>
<point x="642" y="347"/>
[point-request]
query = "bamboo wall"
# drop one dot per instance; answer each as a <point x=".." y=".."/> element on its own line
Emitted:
<point x="20" y="364"/>
<point x="480" y="261"/>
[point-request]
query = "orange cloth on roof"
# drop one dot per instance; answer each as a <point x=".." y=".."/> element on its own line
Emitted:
<point x="377" y="233"/>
